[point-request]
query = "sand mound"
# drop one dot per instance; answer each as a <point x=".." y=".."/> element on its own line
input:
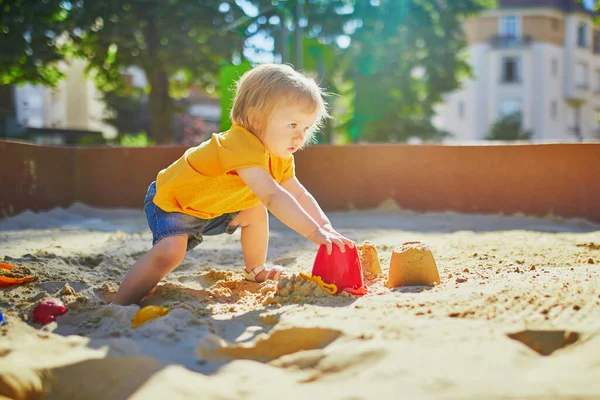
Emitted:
<point x="89" y="379"/>
<point x="298" y="289"/>
<point x="412" y="264"/>
<point x="267" y="347"/>
<point x="369" y="260"/>
<point x="21" y="384"/>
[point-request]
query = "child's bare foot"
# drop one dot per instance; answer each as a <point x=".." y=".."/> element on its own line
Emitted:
<point x="261" y="273"/>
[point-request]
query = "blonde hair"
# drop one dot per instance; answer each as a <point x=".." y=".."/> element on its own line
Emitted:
<point x="262" y="88"/>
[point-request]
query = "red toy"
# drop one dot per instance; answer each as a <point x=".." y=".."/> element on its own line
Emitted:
<point x="341" y="269"/>
<point x="47" y="311"/>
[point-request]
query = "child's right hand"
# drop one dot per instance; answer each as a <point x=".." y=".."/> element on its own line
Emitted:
<point x="321" y="236"/>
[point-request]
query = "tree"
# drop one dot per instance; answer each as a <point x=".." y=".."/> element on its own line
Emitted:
<point x="406" y="55"/>
<point x="29" y="51"/>
<point x="175" y="43"/>
<point x="403" y="55"/>
<point x="507" y="128"/>
<point x="320" y="21"/>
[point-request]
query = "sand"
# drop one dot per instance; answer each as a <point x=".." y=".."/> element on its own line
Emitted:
<point x="412" y="264"/>
<point x="516" y="314"/>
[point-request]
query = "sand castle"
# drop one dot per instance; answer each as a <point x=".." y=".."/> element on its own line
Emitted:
<point x="369" y="259"/>
<point x="412" y="264"/>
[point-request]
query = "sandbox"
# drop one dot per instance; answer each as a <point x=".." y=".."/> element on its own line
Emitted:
<point x="507" y="285"/>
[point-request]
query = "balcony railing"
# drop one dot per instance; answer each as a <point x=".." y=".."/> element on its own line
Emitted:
<point x="510" y="42"/>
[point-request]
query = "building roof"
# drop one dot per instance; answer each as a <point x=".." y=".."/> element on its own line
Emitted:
<point x="563" y="5"/>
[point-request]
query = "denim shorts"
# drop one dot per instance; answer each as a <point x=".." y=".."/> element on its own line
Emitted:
<point x="164" y="224"/>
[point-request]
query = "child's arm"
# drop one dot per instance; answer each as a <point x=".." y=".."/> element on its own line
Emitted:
<point x="310" y="205"/>
<point x="286" y="208"/>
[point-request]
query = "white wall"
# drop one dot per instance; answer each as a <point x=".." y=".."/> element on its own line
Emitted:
<point x="55" y="113"/>
<point x="553" y="127"/>
<point x="589" y="96"/>
<point x="97" y="112"/>
<point x="470" y="97"/>
<point x="74" y="104"/>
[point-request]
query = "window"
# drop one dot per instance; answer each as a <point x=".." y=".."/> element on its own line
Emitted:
<point x="554" y="67"/>
<point x="508" y="26"/>
<point x="553" y="110"/>
<point x="461" y="110"/>
<point x="510" y="107"/>
<point x="582" y="35"/>
<point x="581" y="75"/>
<point x="596" y="42"/>
<point x="510" y="70"/>
<point x="597" y="79"/>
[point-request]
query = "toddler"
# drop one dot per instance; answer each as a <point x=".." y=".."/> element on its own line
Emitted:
<point x="233" y="178"/>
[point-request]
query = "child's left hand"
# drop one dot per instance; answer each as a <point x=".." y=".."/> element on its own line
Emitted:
<point x="345" y="240"/>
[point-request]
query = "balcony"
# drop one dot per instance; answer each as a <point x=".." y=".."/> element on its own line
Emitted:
<point x="510" y="41"/>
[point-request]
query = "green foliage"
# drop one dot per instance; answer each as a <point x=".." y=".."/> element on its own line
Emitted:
<point x="175" y="43"/>
<point x="139" y="139"/>
<point x="187" y="39"/>
<point x="405" y="55"/>
<point x="29" y="45"/>
<point x="227" y="79"/>
<point x="91" y="140"/>
<point x="508" y="128"/>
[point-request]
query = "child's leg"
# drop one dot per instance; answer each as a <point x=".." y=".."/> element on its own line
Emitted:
<point x="255" y="237"/>
<point x="161" y="259"/>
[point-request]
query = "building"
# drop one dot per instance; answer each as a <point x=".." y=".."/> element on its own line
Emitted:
<point x="74" y="106"/>
<point x="538" y="58"/>
<point x="75" y="110"/>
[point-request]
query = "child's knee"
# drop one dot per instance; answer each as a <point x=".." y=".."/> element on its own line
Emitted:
<point x="252" y="216"/>
<point x="169" y="252"/>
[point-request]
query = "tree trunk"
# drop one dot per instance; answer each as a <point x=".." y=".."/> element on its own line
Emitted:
<point x="161" y="107"/>
<point x="7" y="108"/>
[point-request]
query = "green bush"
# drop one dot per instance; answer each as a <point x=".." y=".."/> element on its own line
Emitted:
<point x="90" y="141"/>
<point x="508" y="128"/>
<point x="139" y="139"/>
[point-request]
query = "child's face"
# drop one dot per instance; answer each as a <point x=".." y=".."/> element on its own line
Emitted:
<point x="287" y="128"/>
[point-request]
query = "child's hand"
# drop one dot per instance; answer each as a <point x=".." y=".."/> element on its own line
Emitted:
<point x="348" y="242"/>
<point x="328" y="236"/>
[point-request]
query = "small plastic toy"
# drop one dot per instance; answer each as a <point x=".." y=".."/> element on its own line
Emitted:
<point x="6" y="280"/>
<point x="340" y="269"/>
<point x="328" y="287"/>
<point x="148" y="313"/>
<point x="47" y="311"/>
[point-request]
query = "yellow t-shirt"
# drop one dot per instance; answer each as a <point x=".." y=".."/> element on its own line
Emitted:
<point x="203" y="182"/>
